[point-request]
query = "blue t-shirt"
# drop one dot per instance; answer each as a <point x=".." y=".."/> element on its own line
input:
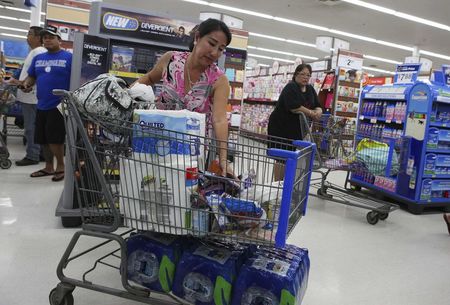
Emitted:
<point x="51" y="71"/>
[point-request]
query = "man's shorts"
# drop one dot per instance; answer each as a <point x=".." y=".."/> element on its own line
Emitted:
<point x="50" y="128"/>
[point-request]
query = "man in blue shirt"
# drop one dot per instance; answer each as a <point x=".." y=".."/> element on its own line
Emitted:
<point x="50" y="70"/>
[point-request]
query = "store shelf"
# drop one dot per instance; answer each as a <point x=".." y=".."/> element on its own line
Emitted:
<point x="260" y="101"/>
<point x="374" y="119"/>
<point x="372" y="186"/>
<point x="234" y="101"/>
<point x="436" y="176"/>
<point x="349" y="84"/>
<point x="438" y="150"/>
<point x="435" y="124"/>
<point x="346" y="114"/>
<point x="443" y="99"/>
<point x="348" y="99"/>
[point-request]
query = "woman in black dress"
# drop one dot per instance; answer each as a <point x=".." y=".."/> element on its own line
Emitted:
<point x="284" y="122"/>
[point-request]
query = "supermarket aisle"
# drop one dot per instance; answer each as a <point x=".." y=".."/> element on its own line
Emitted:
<point x="404" y="260"/>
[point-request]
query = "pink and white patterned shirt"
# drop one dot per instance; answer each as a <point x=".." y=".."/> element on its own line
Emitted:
<point x="199" y="98"/>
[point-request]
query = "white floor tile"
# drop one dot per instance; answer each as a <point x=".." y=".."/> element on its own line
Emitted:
<point x="404" y="260"/>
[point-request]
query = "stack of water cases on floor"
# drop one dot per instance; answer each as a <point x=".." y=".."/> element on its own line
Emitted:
<point x="414" y="120"/>
<point x="218" y="273"/>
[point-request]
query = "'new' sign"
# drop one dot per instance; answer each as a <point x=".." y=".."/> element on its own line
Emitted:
<point x="114" y="21"/>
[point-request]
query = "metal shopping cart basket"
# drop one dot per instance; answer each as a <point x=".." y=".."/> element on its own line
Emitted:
<point x="7" y="98"/>
<point x="131" y="176"/>
<point x="10" y="108"/>
<point x="371" y="155"/>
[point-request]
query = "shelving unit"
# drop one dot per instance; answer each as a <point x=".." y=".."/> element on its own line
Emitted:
<point x="234" y="68"/>
<point x="416" y="117"/>
<point x="11" y="65"/>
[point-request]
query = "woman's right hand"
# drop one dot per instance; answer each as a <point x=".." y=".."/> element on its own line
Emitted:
<point x="315" y="115"/>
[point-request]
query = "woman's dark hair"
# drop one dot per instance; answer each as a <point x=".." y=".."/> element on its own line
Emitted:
<point x="300" y="68"/>
<point x="208" y="26"/>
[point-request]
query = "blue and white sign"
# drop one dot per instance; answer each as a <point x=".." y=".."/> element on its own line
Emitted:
<point x="115" y="21"/>
<point x="446" y="70"/>
<point x="406" y="73"/>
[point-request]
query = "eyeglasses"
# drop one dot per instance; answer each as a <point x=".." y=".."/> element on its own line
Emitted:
<point x="304" y="75"/>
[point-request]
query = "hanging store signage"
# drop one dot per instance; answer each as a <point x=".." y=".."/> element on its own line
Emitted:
<point x="350" y="60"/>
<point x="145" y="27"/>
<point x="94" y="58"/>
<point x="446" y="70"/>
<point x="406" y="73"/>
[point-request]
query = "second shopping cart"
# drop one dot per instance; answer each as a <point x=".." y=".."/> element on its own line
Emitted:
<point x="370" y="154"/>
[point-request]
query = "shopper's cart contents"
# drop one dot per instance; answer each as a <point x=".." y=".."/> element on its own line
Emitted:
<point x="273" y="277"/>
<point x="151" y="178"/>
<point x="206" y="274"/>
<point x="11" y="113"/>
<point x="373" y="158"/>
<point x="152" y="260"/>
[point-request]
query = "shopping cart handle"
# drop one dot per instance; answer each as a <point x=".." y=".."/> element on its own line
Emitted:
<point x="59" y="92"/>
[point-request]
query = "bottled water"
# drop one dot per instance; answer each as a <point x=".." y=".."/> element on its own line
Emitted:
<point x="197" y="287"/>
<point x="258" y="296"/>
<point x="143" y="267"/>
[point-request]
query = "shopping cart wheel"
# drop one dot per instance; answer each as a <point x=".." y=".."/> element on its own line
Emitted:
<point x="372" y="217"/>
<point x="5" y="164"/>
<point x="56" y="299"/>
<point x="383" y="216"/>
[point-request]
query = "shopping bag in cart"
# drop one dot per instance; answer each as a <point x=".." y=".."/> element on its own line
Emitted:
<point x="7" y="96"/>
<point x="106" y="99"/>
<point x="375" y="155"/>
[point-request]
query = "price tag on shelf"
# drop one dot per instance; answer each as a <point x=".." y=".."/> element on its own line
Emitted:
<point x="361" y="117"/>
<point x="406" y="73"/>
<point x="405" y="77"/>
<point x="388" y="121"/>
<point x="398" y="122"/>
<point x="373" y="120"/>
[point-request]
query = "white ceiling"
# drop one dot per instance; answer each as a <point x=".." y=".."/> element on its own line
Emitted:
<point x="342" y="16"/>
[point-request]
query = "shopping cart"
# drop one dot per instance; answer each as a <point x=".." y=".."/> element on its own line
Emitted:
<point x="145" y="177"/>
<point x="7" y="98"/>
<point x="370" y="155"/>
<point x="10" y="109"/>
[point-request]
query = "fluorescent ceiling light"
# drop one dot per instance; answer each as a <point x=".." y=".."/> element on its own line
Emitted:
<point x="312" y="45"/>
<point x="197" y="2"/>
<point x="378" y="70"/>
<point x="317" y="27"/>
<point x="382" y="59"/>
<point x="13" y="29"/>
<point x="259" y="56"/>
<point x="13" y="35"/>
<point x="434" y="54"/>
<point x="388" y="11"/>
<point x="395" y="45"/>
<point x="283" y="52"/>
<point x="298" y="23"/>
<point x="303" y="24"/>
<point x="8" y="18"/>
<point x="285" y="60"/>
<point x="242" y="11"/>
<point x="272" y="58"/>
<point x="12" y="8"/>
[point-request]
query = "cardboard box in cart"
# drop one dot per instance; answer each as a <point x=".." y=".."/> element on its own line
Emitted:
<point x="157" y="180"/>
